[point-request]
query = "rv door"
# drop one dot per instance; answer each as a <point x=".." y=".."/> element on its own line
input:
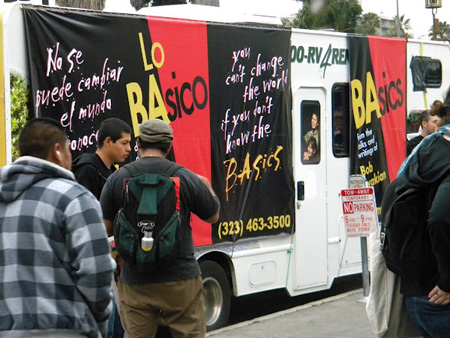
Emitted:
<point x="310" y="156"/>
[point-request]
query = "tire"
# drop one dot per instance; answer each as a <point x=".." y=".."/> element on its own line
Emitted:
<point x="217" y="295"/>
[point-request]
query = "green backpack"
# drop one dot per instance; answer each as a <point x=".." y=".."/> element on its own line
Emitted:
<point x="146" y="227"/>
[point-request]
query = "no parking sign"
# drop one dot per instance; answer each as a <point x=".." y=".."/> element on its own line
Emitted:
<point x="360" y="212"/>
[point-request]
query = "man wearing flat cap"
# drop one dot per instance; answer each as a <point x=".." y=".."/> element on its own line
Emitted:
<point x="173" y="292"/>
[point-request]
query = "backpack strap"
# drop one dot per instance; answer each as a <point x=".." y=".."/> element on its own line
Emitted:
<point x="171" y="169"/>
<point x="134" y="168"/>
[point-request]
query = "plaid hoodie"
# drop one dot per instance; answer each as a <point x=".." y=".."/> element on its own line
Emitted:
<point x="55" y="262"/>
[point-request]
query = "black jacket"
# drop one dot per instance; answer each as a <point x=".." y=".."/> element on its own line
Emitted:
<point x="91" y="172"/>
<point x="413" y="143"/>
<point x="429" y="168"/>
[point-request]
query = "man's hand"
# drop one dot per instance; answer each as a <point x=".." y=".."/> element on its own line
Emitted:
<point x="438" y="296"/>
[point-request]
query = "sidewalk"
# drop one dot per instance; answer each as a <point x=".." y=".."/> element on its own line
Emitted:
<point x="341" y="316"/>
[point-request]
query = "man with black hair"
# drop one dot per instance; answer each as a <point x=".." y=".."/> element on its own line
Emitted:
<point x="55" y="261"/>
<point x="172" y="291"/>
<point x="113" y="146"/>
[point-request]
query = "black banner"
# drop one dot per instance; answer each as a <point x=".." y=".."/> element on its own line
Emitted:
<point x="251" y="127"/>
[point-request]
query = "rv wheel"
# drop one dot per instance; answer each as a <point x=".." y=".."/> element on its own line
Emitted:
<point x="216" y="292"/>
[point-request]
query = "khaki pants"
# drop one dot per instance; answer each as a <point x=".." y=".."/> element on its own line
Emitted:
<point x="180" y="304"/>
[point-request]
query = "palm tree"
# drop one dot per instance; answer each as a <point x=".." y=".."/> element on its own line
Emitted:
<point x="339" y="15"/>
<point x="443" y="31"/>
<point x="369" y="24"/>
<point x="404" y="25"/>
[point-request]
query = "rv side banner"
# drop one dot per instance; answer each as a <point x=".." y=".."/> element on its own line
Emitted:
<point x="224" y="89"/>
<point x="378" y="94"/>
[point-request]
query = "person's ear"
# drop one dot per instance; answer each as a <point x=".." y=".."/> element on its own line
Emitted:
<point x="56" y="155"/>
<point x="168" y="150"/>
<point x="107" y="141"/>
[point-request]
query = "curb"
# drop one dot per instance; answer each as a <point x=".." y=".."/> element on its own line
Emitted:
<point x="281" y="313"/>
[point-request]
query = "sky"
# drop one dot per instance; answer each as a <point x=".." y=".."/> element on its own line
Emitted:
<point x="421" y="19"/>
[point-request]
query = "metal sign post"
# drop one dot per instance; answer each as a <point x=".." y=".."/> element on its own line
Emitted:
<point x="355" y="182"/>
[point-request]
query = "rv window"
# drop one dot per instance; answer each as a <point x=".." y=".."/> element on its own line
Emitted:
<point x="340" y="119"/>
<point x="426" y="73"/>
<point x="310" y="127"/>
<point x="433" y="76"/>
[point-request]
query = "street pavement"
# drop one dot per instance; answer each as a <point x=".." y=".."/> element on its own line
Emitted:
<point x="341" y="316"/>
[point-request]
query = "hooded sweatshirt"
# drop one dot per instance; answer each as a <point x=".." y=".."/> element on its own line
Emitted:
<point x="428" y="167"/>
<point x="91" y="172"/>
<point x="55" y="262"/>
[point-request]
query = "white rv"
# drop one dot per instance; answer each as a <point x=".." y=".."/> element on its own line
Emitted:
<point x="314" y="250"/>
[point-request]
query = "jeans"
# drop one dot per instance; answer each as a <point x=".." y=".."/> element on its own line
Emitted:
<point x="433" y="320"/>
<point x="115" y="329"/>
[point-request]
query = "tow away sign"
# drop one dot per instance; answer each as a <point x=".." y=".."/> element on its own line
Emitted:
<point x="360" y="212"/>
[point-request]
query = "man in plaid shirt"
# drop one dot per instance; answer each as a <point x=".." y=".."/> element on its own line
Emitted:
<point x="55" y="261"/>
